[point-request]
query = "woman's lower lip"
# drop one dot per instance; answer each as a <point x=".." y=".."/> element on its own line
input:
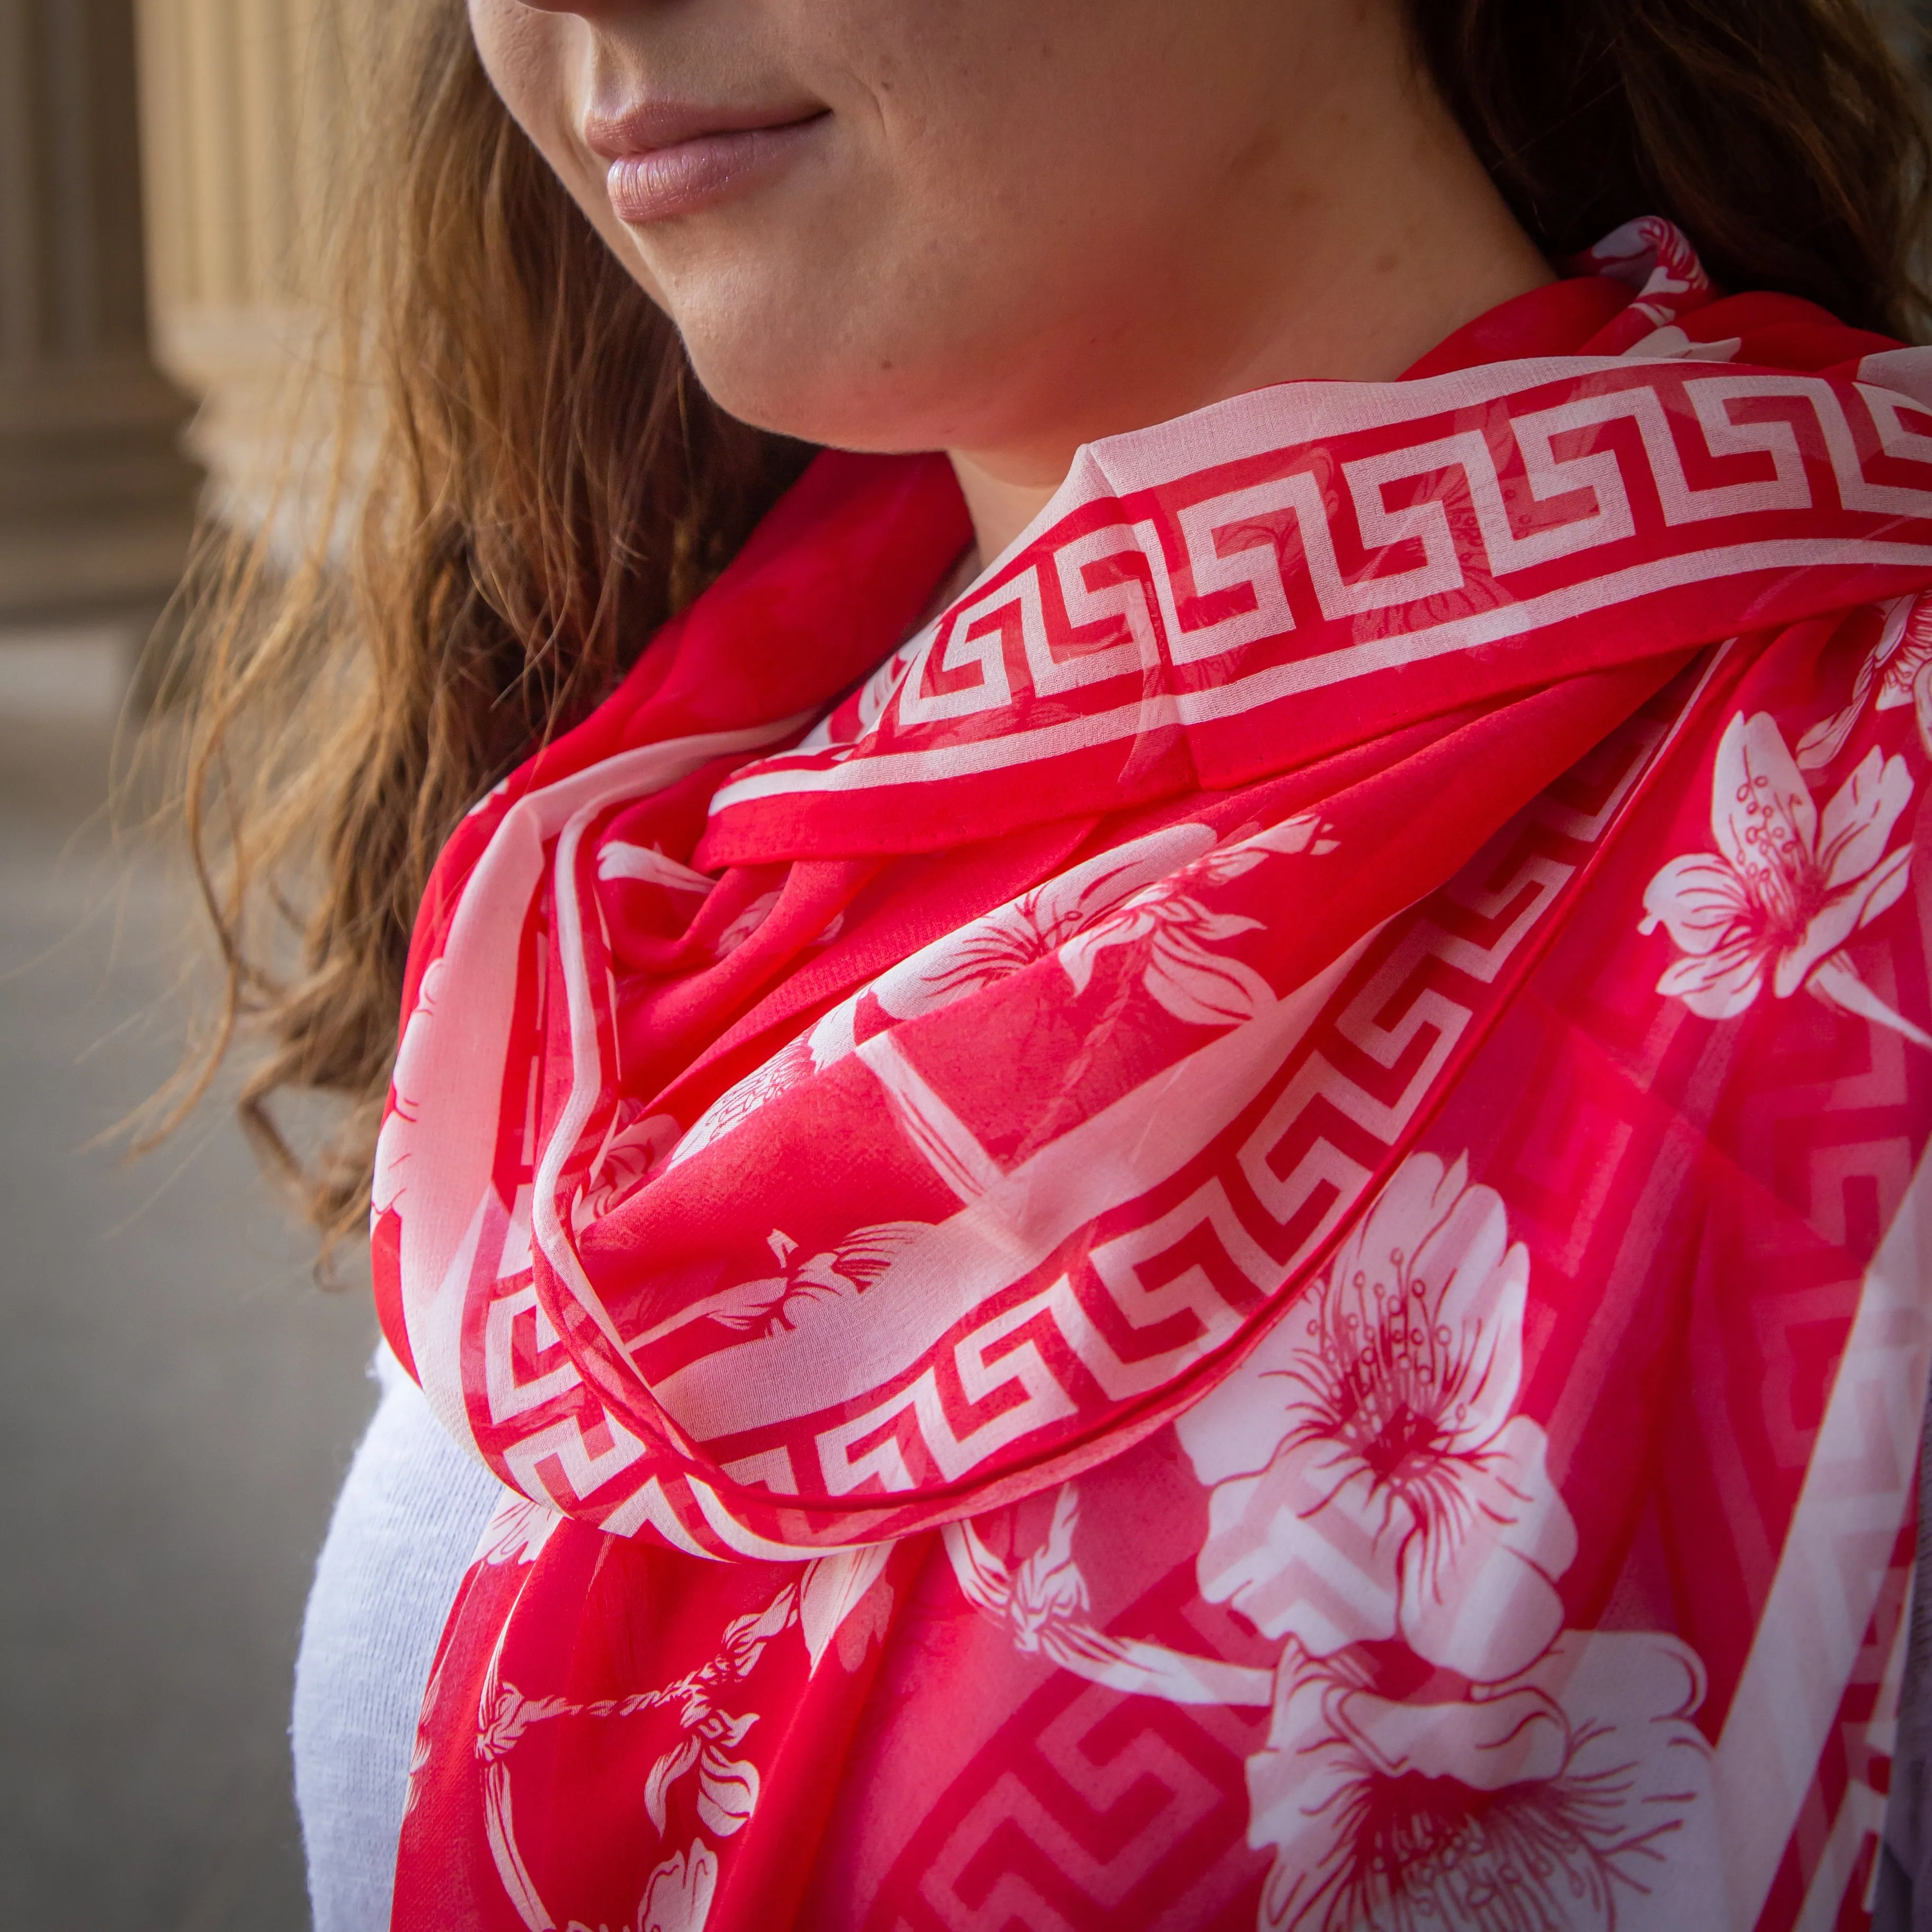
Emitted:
<point x="692" y="174"/>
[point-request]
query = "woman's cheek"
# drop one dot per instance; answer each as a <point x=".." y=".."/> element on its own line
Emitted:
<point x="522" y="51"/>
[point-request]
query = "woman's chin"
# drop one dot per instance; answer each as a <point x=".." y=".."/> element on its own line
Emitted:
<point x="843" y="403"/>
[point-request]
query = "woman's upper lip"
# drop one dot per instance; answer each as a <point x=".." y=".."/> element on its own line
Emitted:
<point x="652" y="124"/>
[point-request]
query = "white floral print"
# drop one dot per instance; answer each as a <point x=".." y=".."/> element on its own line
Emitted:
<point x="727" y="1786"/>
<point x="747" y="922"/>
<point x="1786" y="888"/>
<point x="820" y="1603"/>
<point x="1897" y="671"/>
<point x="507" y="1715"/>
<point x="516" y="1532"/>
<point x="831" y="1591"/>
<point x="1368" y="1478"/>
<point x="1044" y="1606"/>
<point x="1655" y="257"/>
<point x="1034" y="926"/>
<point x="1442" y="1755"/>
<point x="1172" y="930"/>
<point x="1141" y="896"/>
<point x="976" y="954"/>
<point x="1671" y="344"/>
<point x="395" y="1144"/>
<point x="1168" y="928"/>
<point x="1045" y="1601"/>
<point x="774" y="1304"/>
<point x="649" y="866"/>
<point x="677" y="1895"/>
<point x="764" y="1085"/>
<point x="636" y="1144"/>
<point x="1565" y="1797"/>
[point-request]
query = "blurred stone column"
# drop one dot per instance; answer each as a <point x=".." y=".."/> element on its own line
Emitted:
<point x="244" y="117"/>
<point x="96" y="499"/>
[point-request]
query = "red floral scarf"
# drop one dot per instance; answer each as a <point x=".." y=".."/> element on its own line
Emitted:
<point x="1241" y="1246"/>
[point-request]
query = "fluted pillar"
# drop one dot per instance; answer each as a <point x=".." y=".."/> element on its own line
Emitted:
<point x="244" y="111"/>
<point x="96" y="499"/>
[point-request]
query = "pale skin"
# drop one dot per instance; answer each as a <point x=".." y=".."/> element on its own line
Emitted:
<point x="1005" y="228"/>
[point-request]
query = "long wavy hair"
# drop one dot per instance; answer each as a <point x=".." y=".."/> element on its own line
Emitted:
<point x="526" y="480"/>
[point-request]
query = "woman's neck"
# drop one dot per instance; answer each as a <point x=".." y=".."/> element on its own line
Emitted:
<point x="1365" y="232"/>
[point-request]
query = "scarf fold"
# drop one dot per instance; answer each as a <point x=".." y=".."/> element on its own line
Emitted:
<point x="856" y="1084"/>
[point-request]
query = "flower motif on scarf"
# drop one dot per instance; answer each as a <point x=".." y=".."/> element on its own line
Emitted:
<point x="1144" y="896"/>
<point x="1786" y="887"/>
<point x="1897" y="671"/>
<point x="728" y="1787"/>
<point x="1036" y="926"/>
<point x="759" y="1088"/>
<point x="1045" y="1601"/>
<point x="507" y="1717"/>
<point x="649" y="866"/>
<point x="637" y="1142"/>
<point x="978" y="954"/>
<point x="677" y="1895"/>
<point x="1044" y="1606"/>
<point x="1369" y="1479"/>
<point x="1174" y="933"/>
<point x="1169" y="933"/>
<point x="1655" y="258"/>
<point x="1371" y="1487"/>
<point x="775" y="1304"/>
<point x="396" y="1142"/>
<point x="516" y="1532"/>
<point x="1559" y="1799"/>
<point x="747" y="922"/>
<point x="1368" y="1482"/>
<point x="820" y="1602"/>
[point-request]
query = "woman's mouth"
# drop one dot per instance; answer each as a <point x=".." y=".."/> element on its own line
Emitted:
<point x="667" y="162"/>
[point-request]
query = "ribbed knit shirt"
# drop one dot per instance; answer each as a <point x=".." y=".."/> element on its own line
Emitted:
<point x="408" y="1520"/>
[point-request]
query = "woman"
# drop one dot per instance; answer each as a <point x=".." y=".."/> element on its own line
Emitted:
<point x="1162" y="1145"/>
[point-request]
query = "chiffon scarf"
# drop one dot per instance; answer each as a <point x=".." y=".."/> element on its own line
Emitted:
<point x="1233" y="1236"/>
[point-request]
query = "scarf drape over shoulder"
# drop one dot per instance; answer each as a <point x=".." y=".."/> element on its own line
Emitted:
<point x="1237" y="1240"/>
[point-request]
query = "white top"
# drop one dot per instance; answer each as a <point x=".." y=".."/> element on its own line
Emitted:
<point x="409" y="1519"/>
